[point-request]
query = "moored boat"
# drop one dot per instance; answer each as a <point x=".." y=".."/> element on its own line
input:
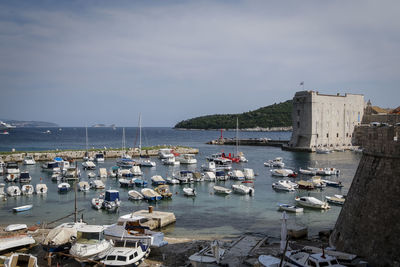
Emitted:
<point x="97" y="184"/>
<point x="111" y="199"/>
<point x="63" y="187"/>
<point x="164" y="191"/>
<point x="188" y="191"/>
<point x="335" y="199"/>
<point x="284" y="185"/>
<point x="282" y="172"/>
<point x="126" y="253"/>
<point x="236" y="175"/>
<point x="150" y="195"/>
<point x="29" y="160"/>
<point x="23" y="208"/>
<point x="21" y="259"/>
<point x="83" y="186"/>
<point x="157" y="180"/>
<point x="135" y="195"/>
<point x="289" y="208"/>
<point x="222" y="190"/>
<point x="27" y="189"/>
<point x="312" y="202"/>
<point x="242" y="189"/>
<point x="13" y="191"/>
<point x="41" y="189"/>
<point x="208" y="256"/>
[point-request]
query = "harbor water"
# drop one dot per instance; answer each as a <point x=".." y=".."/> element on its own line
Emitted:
<point x="207" y="214"/>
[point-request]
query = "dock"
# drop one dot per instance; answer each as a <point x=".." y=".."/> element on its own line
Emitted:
<point x="249" y="142"/>
<point x="156" y="219"/>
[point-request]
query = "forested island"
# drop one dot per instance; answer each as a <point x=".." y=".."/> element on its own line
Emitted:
<point x="276" y="115"/>
<point x="26" y="124"/>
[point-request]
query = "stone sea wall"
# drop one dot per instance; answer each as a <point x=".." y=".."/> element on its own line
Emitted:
<point x="369" y="223"/>
<point x="50" y="155"/>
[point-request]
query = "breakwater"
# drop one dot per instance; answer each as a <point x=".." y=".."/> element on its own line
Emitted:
<point x="368" y="224"/>
<point x="79" y="154"/>
<point x="249" y="142"/>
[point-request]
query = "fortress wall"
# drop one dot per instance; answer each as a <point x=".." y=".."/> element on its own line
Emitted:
<point x="369" y="222"/>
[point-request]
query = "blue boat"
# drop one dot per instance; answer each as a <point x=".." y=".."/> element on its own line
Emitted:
<point x="111" y="199"/>
<point x="22" y="208"/>
<point x="140" y="182"/>
<point x="150" y="195"/>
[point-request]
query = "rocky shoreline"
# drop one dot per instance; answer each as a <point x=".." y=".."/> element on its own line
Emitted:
<point x="255" y="129"/>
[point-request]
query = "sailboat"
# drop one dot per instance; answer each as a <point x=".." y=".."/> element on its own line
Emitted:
<point x="143" y="162"/>
<point x="239" y="155"/>
<point x="88" y="163"/>
<point x="125" y="160"/>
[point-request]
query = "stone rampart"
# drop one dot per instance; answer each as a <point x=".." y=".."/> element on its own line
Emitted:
<point x="387" y="118"/>
<point x="369" y="222"/>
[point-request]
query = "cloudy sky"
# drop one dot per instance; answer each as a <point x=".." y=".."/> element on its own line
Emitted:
<point x="77" y="62"/>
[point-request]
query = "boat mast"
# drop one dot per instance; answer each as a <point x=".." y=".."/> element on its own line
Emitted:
<point x="237" y="136"/>
<point x="123" y="140"/>
<point x="86" y="140"/>
<point x="140" y="134"/>
<point x="75" y="189"/>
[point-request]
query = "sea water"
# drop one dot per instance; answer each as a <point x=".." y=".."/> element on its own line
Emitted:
<point x="207" y="214"/>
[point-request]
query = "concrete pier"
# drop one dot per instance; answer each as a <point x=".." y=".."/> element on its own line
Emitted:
<point x="157" y="219"/>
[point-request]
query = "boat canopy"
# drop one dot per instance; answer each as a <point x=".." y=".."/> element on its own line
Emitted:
<point x="111" y="195"/>
<point x="24" y="175"/>
<point x="58" y="159"/>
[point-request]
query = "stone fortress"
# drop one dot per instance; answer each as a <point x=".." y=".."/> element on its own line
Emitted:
<point x="321" y="120"/>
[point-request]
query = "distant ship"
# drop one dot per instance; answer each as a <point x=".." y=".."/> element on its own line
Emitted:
<point x="5" y="126"/>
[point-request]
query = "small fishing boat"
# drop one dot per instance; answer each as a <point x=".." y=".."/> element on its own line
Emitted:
<point x="11" y="177"/>
<point x="27" y="189"/>
<point x="289" y="208"/>
<point x="135" y="195"/>
<point x="242" y="189"/>
<point x="91" y="175"/>
<point x="323" y="150"/>
<point x="317" y="182"/>
<point x="333" y="183"/>
<point x="277" y="162"/>
<point x="126" y="182"/>
<point x="236" y="175"/>
<point x="164" y="191"/>
<point x="16" y="241"/>
<point x="150" y="195"/>
<point x="99" y="157"/>
<point x="21" y="259"/>
<point x="13" y="191"/>
<point x="111" y="200"/>
<point x="171" y="180"/>
<point x="25" y="177"/>
<point x="61" y="237"/>
<point x="126" y="253"/>
<point x="284" y="185"/>
<point x="282" y="172"/>
<point x="301" y="258"/>
<point x="208" y="256"/>
<point x="90" y="244"/>
<point x="97" y="184"/>
<point x="41" y="189"/>
<point x="197" y="177"/>
<point x="15" y="227"/>
<point x="97" y="202"/>
<point x="221" y="176"/>
<point x="307" y="172"/>
<point x="190" y="192"/>
<point x="209" y="167"/>
<point x="102" y="173"/>
<point x="136" y="171"/>
<point x="209" y="176"/>
<point x="187" y="159"/>
<point x="335" y="199"/>
<point x="222" y="190"/>
<point x="248" y="174"/>
<point x="88" y="165"/>
<point x="170" y="161"/>
<point x="157" y="180"/>
<point x="185" y="177"/>
<point x="139" y="182"/>
<point x="312" y="202"/>
<point x="308" y="185"/>
<point x="63" y="187"/>
<point x="22" y="208"/>
<point x="12" y="168"/>
<point x="83" y="186"/>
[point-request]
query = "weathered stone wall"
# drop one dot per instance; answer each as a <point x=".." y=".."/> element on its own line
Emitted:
<point x="388" y="118"/>
<point x="325" y="120"/>
<point x="369" y="222"/>
<point x="48" y="156"/>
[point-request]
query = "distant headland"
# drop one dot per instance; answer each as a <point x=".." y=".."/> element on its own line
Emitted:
<point x="276" y="117"/>
<point x="26" y="124"/>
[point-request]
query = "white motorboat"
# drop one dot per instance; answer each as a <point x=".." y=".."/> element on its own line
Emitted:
<point x="90" y="243"/>
<point x="171" y="180"/>
<point x="282" y="172"/>
<point x="164" y="191"/>
<point x="11" y="177"/>
<point x="21" y="259"/>
<point x="12" y="168"/>
<point x="97" y="202"/>
<point x="51" y="166"/>
<point x="209" y="256"/>
<point x="91" y="175"/>
<point x="63" y="187"/>
<point x="270" y="261"/>
<point x="324" y="171"/>
<point x="222" y="190"/>
<point x="236" y="175"/>
<point x="126" y="253"/>
<point x="242" y="189"/>
<point x="214" y="156"/>
<point x="248" y="174"/>
<point x="312" y="202"/>
<point x="289" y="208"/>
<point x="103" y="173"/>
<point x="185" y="177"/>
<point x="284" y="185"/>
<point x="15" y="227"/>
<point x="188" y="191"/>
<point x="197" y="177"/>
<point x="111" y="199"/>
<point x="307" y="171"/>
<point x="41" y="189"/>
<point x="317" y="182"/>
<point x="209" y="176"/>
<point x="136" y="171"/>
<point x="221" y="176"/>
<point x="145" y="162"/>
<point x="83" y="186"/>
<point x="88" y="165"/>
<point x="29" y="160"/>
<point x="99" y="157"/>
<point x="135" y="195"/>
<point x="157" y="180"/>
<point x="131" y="227"/>
<point x="277" y="163"/>
<point x="332" y="183"/>
<point x="170" y="161"/>
<point x="23" y="208"/>
<point x="165" y="153"/>
<point x="187" y="159"/>
<point x="97" y="184"/>
<point x="323" y="150"/>
<point x="61" y="237"/>
<point x="16" y="241"/>
<point x="71" y="173"/>
<point x="27" y="189"/>
<point x="126" y="182"/>
<point x="223" y="164"/>
<point x="209" y="167"/>
<point x="13" y="191"/>
<point x="150" y="195"/>
<point x="301" y="258"/>
<point x="335" y="199"/>
<point x="25" y="177"/>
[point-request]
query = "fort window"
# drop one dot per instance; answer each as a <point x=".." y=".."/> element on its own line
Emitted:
<point x="327" y="135"/>
<point x="337" y="134"/>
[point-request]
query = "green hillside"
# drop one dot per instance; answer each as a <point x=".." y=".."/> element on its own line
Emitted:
<point x="276" y="115"/>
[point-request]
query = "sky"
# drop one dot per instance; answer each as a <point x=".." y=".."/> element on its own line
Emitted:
<point x="85" y="62"/>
